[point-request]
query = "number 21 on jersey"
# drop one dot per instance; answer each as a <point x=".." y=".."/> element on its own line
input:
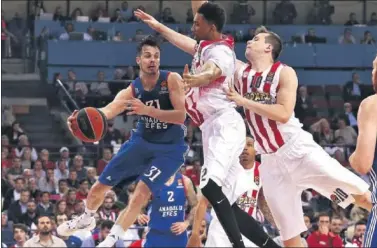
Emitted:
<point x="154" y="103"/>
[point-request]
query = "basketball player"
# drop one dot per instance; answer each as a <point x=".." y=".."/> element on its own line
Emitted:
<point x="166" y="216"/>
<point x="247" y="200"/>
<point x="291" y="160"/>
<point x="364" y="159"/>
<point x="155" y="150"/>
<point x="222" y="127"/>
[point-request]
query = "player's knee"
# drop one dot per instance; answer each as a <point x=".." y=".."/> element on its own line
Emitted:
<point x="98" y="189"/>
<point x="213" y="192"/>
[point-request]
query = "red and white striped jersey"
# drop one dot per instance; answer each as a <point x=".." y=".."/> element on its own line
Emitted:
<point x="262" y="87"/>
<point x="202" y="102"/>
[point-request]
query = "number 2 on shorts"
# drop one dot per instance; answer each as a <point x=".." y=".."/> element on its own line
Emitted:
<point x="153" y="173"/>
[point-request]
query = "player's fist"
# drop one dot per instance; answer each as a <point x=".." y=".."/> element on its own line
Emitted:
<point x="194" y="241"/>
<point x="70" y="119"/>
<point x="143" y="219"/>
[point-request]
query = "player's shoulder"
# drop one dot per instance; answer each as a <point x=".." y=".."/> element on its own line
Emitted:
<point x="286" y="69"/>
<point x="368" y="106"/>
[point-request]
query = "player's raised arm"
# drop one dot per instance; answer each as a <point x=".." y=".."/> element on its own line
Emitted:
<point x="181" y="41"/>
<point x="362" y="159"/>
<point x="177" y="98"/>
<point x="263" y="206"/>
<point x="191" y="198"/>
<point x="283" y="109"/>
<point x="195" y="4"/>
<point x="194" y="240"/>
<point x="118" y="105"/>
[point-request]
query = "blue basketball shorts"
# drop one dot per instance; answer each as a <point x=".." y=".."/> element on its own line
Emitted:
<point x="370" y="236"/>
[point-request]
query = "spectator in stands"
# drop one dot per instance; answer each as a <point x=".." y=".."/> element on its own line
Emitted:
<point x="62" y="187"/>
<point x="285" y="12"/>
<point x="125" y="11"/>
<point x="139" y="35"/>
<point x="14" y="194"/>
<point x="107" y="212"/>
<point x="64" y="155"/>
<point x="347" y="37"/>
<point x="79" y="207"/>
<point x="321" y="13"/>
<point x="6" y="163"/>
<point x="24" y="144"/>
<point x="48" y="183"/>
<point x="38" y="171"/>
<point x="26" y="162"/>
<point x="88" y="35"/>
<point x="44" y="238"/>
<point x="45" y="207"/>
<point x="33" y="188"/>
<point x="308" y="224"/>
<point x="44" y="157"/>
<point x="30" y="217"/>
<point x="61" y="207"/>
<point x="311" y="37"/>
<point x="189" y="16"/>
<point x="19" y="235"/>
<point x="75" y="13"/>
<point x="106" y="157"/>
<point x="323" y="237"/>
<point x="78" y="89"/>
<point x="83" y="190"/>
<point x="71" y="200"/>
<point x="336" y="225"/>
<point x="117" y="17"/>
<point x="304" y="106"/>
<point x="7" y="117"/>
<point x="6" y="229"/>
<point x="373" y="19"/>
<point x="15" y="171"/>
<point x="14" y="133"/>
<point x="368" y="39"/>
<point x="118" y="36"/>
<point x="72" y="179"/>
<point x="71" y="241"/>
<point x="61" y="172"/>
<point x="360" y="228"/>
<point x="78" y="166"/>
<point x="99" y="13"/>
<point x="92" y="174"/>
<point x="68" y="29"/>
<point x="242" y="12"/>
<point x="19" y="207"/>
<point x="350" y="114"/>
<point x="27" y="175"/>
<point x="345" y="131"/>
<point x="352" y="20"/>
<point x="167" y="16"/>
<point x="113" y="136"/>
<point x="100" y="87"/>
<point x="352" y="90"/>
<point x="58" y="15"/>
<point x="97" y="238"/>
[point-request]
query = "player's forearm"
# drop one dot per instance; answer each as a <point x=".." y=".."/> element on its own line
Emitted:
<point x="209" y="74"/>
<point x="199" y="215"/>
<point x="263" y="206"/>
<point x="191" y="215"/>
<point x="195" y="4"/>
<point x="274" y="112"/>
<point x="113" y="109"/>
<point x="169" y="116"/>
<point x="360" y="164"/>
<point x="181" y="41"/>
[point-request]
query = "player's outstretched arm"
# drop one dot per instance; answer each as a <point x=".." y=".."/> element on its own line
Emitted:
<point x="181" y="41"/>
<point x="118" y="105"/>
<point x="362" y="159"/>
<point x="177" y="98"/>
<point x="191" y="198"/>
<point x="195" y="4"/>
<point x="194" y="240"/>
<point x="283" y="109"/>
<point x="263" y="206"/>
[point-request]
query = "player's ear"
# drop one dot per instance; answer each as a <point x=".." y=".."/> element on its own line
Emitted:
<point x="138" y="60"/>
<point x="268" y="47"/>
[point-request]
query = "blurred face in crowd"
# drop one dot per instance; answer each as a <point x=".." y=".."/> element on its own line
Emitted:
<point x="360" y="230"/>
<point x="69" y="28"/>
<point x="104" y="232"/>
<point x="124" y="5"/>
<point x="96" y="217"/>
<point x="79" y="207"/>
<point x="4" y="140"/>
<point x="16" y="163"/>
<point x="45" y="198"/>
<point x="19" y="235"/>
<point x="27" y="175"/>
<point x="50" y="174"/>
<point x="303" y="91"/>
<point x="108" y="203"/>
<point x="101" y="76"/>
<point x="336" y="225"/>
<point x="4" y="154"/>
<point x="62" y="207"/>
<point x="44" y="155"/>
<point x="23" y="140"/>
<point x="19" y="185"/>
<point x="307" y="222"/>
<point x="248" y="154"/>
<point x="25" y="197"/>
<point x="71" y="76"/>
<point x="27" y="154"/>
<point x="78" y="162"/>
<point x="31" y="207"/>
<point x="4" y="219"/>
<point x="149" y="60"/>
<point x="44" y="226"/>
<point x="107" y="154"/>
<point x="341" y="123"/>
<point x="167" y="12"/>
<point x="60" y="219"/>
<point x="72" y="195"/>
<point x="62" y="165"/>
<point x="16" y="126"/>
<point x="63" y="186"/>
<point x="84" y="186"/>
<point x="92" y="173"/>
<point x="324" y="221"/>
<point x="355" y="78"/>
<point x="347" y="107"/>
<point x="38" y="165"/>
<point x="33" y="184"/>
<point x="73" y="175"/>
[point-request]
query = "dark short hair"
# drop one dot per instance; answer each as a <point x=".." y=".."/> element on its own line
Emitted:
<point x="149" y="40"/>
<point x="107" y="224"/>
<point x="62" y="181"/>
<point x="360" y="222"/>
<point x="20" y="226"/>
<point x="83" y="181"/>
<point x="213" y="14"/>
<point x="19" y="178"/>
<point x="322" y="214"/>
<point x="273" y="39"/>
<point x="45" y="192"/>
<point x="42" y="216"/>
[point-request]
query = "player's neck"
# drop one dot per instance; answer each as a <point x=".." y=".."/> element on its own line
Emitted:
<point x="261" y="64"/>
<point x="149" y="80"/>
<point x="249" y="165"/>
<point x="216" y="36"/>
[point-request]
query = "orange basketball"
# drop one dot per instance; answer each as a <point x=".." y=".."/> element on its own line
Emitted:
<point x="89" y="125"/>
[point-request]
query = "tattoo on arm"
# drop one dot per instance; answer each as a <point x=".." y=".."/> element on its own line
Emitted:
<point x="263" y="206"/>
<point x="191" y="198"/>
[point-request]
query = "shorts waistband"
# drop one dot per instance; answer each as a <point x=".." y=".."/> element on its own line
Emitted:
<point x="214" y="115"/>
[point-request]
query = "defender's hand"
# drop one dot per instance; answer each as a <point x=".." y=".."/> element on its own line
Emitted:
<point x="233" y="95"/>
<point x="137" y="107"/>
<point x="147" y="19"/>
<point x="143" y="219"/>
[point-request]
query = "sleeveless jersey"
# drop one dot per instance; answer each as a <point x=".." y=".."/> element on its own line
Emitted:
<point x="373" y="177"/>
<point x="247" y="201"/>
<point x="151" y="129"/>
<point x="262" y="87"/>
<point x="168" y="206"/>
<point x="202" y="102"/>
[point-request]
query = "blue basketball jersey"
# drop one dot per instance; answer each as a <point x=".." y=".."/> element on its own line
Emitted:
<point x="151" y="129"/>
<point x="168" y="206"/>
<point x="373" y="178"/>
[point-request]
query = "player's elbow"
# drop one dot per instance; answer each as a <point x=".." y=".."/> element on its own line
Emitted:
<point x="361" y="165"/>
<point x="181" y="117"/>
<point x="284" y="118"/>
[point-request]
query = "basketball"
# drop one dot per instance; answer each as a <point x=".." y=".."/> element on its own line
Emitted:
<point x="89" y="125"/>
